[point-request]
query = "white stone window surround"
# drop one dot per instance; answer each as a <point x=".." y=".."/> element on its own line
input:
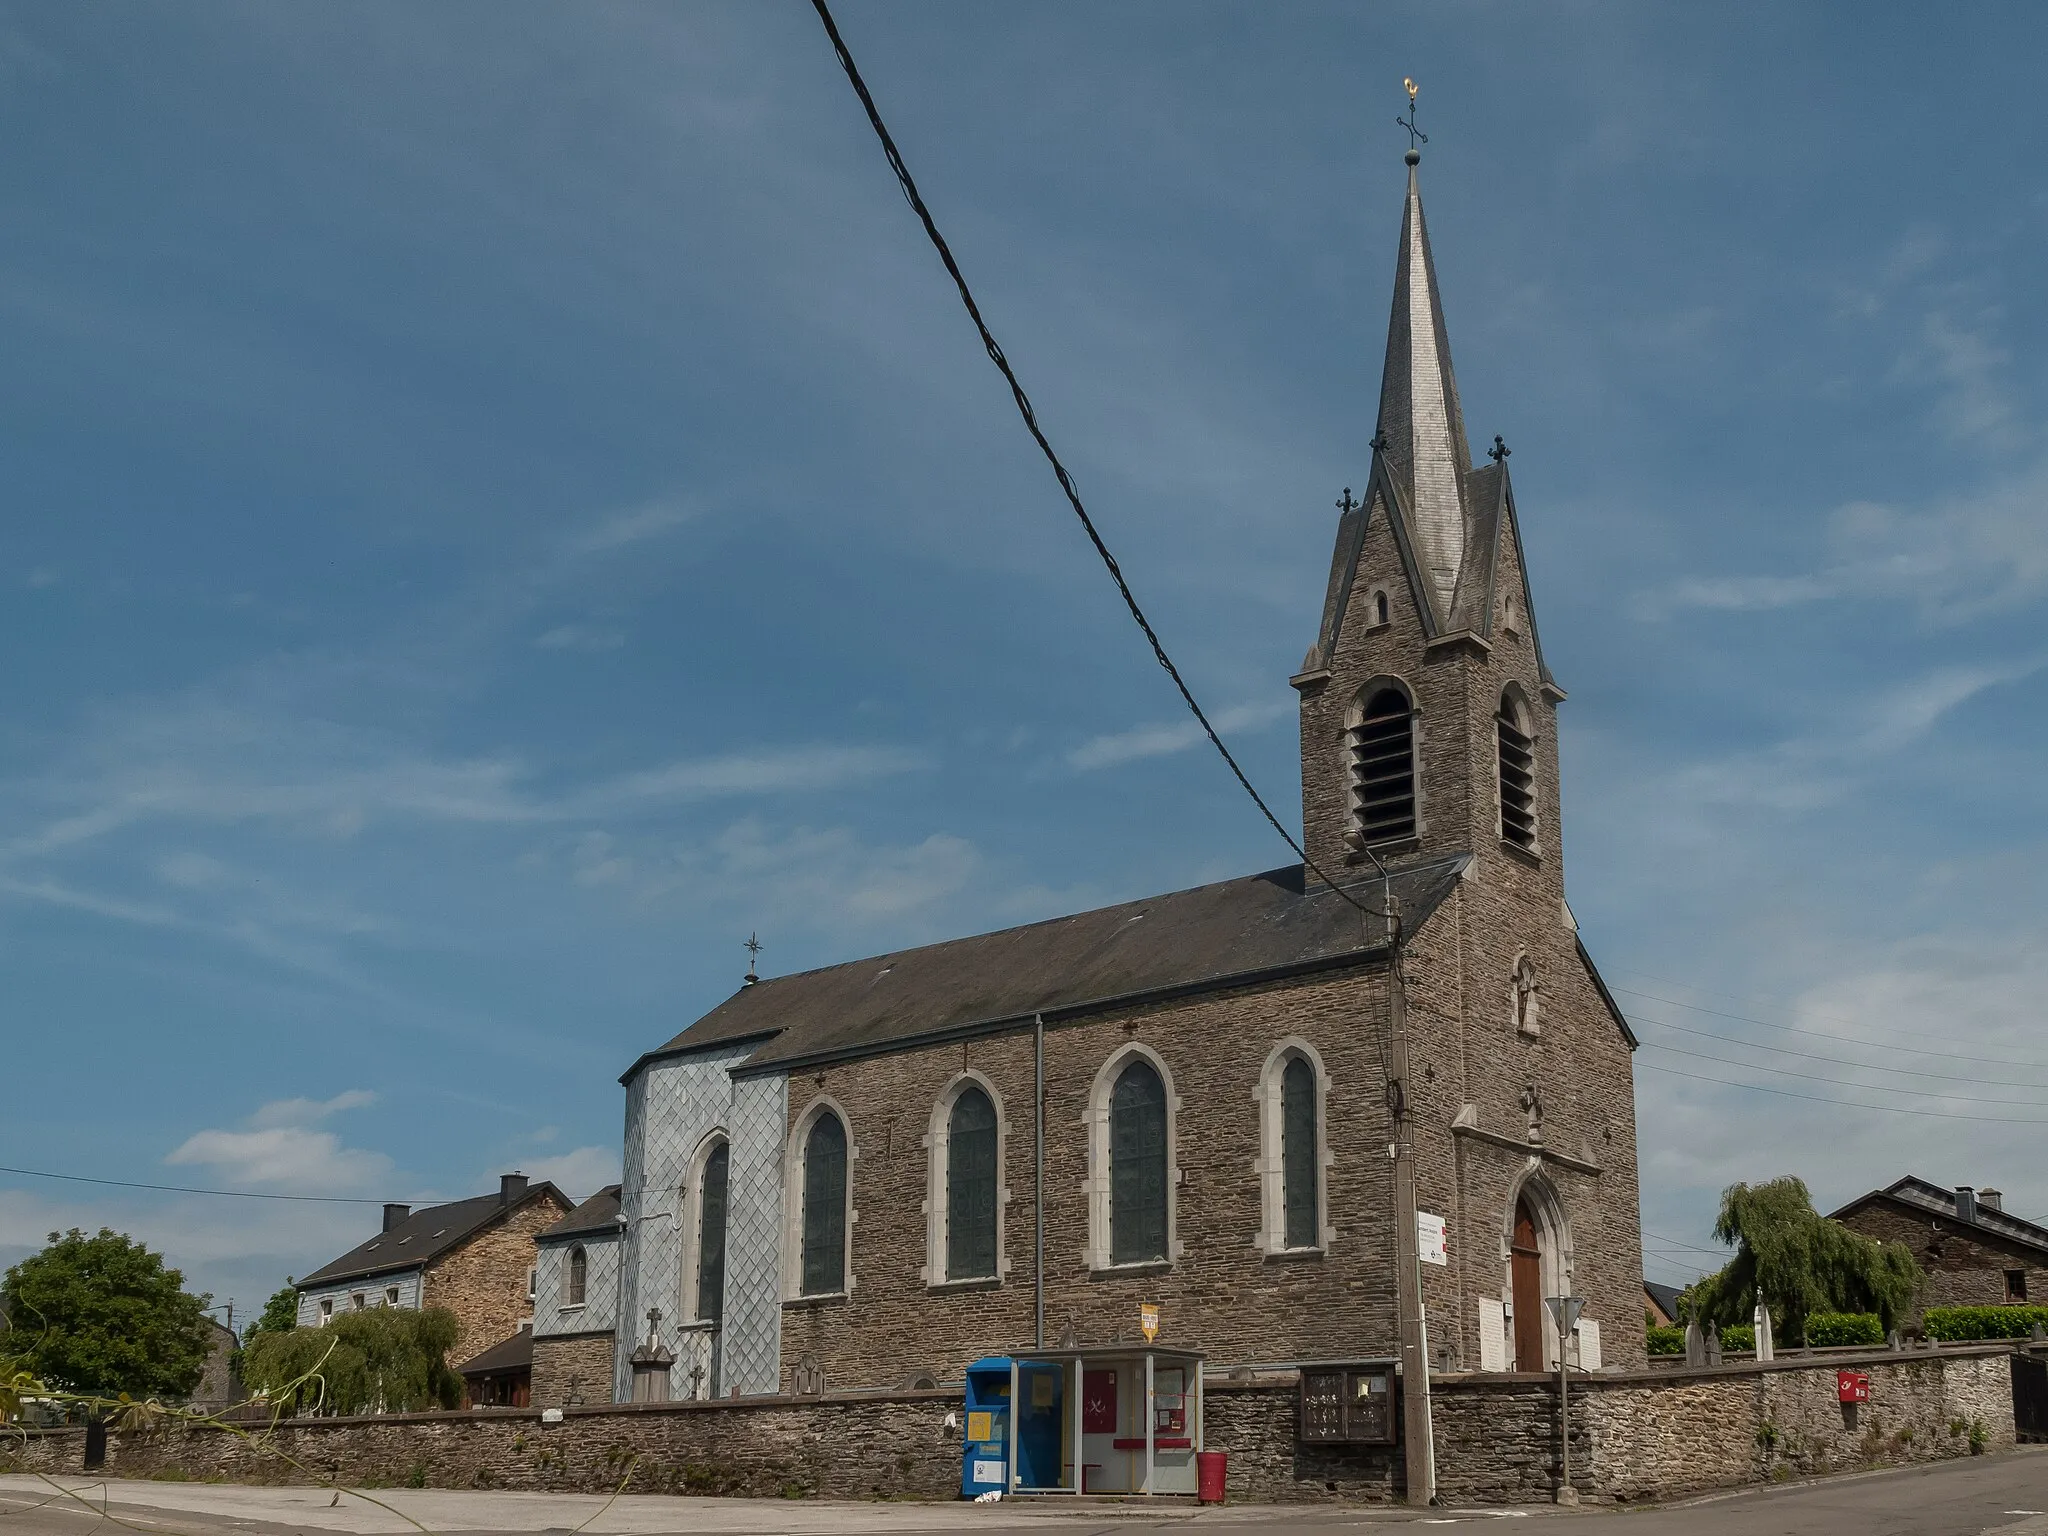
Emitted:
<point x="793" y="1203"/>
<point x="1553" y="1243"/>
<point x="937" y="1207"/>
<point x="691" y="1204"/>
<point x="1270" y="1165"/>
<point x="1095" y="1187"/>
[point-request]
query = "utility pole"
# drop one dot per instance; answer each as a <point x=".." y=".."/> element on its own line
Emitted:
<point x="1417" y="1444"/>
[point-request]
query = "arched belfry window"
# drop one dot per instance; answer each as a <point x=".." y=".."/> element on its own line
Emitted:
<point x="1517" y="773"/>
<point x="711" y="1207"/>
<point x="822" y="1267"/>
<point x="1137" y="1166"/>
<point x="579" y="1277"/>
<point x="971" y="1180"/>
<point x="1382" y="745"/>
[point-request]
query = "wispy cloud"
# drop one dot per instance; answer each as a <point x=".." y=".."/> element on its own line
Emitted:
<point x="283" y="1148"/>
<point x="580" y="1173"/>
<point x="634" y="525"/>
<point x="1162" y="740"/>
<point x="579" y="637"/>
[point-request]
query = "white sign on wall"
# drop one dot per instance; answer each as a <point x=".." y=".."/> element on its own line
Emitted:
<point x="1493" y="1334"/>
<point x="1432" y="1239"/>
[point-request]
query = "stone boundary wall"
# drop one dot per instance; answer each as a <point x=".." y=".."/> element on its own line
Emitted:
<point x="1635" y="1436"/>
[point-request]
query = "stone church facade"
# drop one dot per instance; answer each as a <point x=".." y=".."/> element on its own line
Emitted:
<point x="879" y="1171"/>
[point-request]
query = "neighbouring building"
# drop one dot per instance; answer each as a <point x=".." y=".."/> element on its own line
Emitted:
<point x="832" y="1179"/>
<point x="1660" y="1304"/>
<point x="502" y="1376"/>
<point x="474" y="1257"/>
<point x="576" y="1304"/>
<point x="1974" y="1253"/>
<point x="219" y="1387"/>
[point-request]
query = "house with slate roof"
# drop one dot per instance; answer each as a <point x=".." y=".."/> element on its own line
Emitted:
<point x="576" y="1304"/>
<point x="1261" y="1106"/>
<point x="474" y="1257"/>
<point x="1973" y="1252"/>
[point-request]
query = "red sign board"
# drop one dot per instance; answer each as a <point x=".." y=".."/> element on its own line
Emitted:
<point x="1852" y="1386"/>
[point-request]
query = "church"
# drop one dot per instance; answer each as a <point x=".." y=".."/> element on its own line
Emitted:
<point x="1380" y="1101"/>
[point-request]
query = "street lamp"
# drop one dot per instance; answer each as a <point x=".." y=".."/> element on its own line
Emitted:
<point x="1564" y="1311"/>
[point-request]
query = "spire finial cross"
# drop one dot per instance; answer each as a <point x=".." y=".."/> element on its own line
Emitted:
<point x="1348" y="505"/>
<point x="1499" y="451"/>
<point x="1415" y="134"/>
<point x="1379" y="443"/>
<point x="753" y="947"/>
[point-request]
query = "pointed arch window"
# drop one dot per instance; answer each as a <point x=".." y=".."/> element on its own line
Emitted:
<point x="1137" y="1166"/>
<point x="579" y="1278"/>
<point x="1382" y="746"/>
<point x="1299" y="1149"/>
<point x="971" y="1180"/>
<point x="711" y="1207"/>
<point x="823" y="1263"/>
<point x="1517" y="774"/>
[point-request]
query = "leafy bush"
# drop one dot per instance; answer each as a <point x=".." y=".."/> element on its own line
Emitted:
<point x="1962" y="1323"/>
<point x="385" y="1360"/>
<point x="1666" y="1341"/>
<point x="1828" y="1329"/>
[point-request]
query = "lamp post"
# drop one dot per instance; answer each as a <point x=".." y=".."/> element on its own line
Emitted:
<point x="1565" y="1310"/>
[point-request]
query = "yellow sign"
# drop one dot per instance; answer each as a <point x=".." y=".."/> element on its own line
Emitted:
<point x="1148" y="1320"/>
<point x="981" y="1426"/>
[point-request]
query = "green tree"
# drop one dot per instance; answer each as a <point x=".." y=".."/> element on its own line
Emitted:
<point x="104" y="1315"/>
<point x="280" y="1313"/>
<point x="1799" y="1262"/>
<point x="386" y="1359"/>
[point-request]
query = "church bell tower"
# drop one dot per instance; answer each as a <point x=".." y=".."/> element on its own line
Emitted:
<point x="1428" y="716"/>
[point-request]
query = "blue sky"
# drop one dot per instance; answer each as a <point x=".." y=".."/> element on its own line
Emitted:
<point x="500" y="504"/>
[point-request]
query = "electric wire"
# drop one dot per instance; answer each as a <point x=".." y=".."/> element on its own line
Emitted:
<point x="996" y="355"/>
<point x="1814" y="1098"/>
<point x="186" y="1189"/>
<point x="1840" y="1061"/>
<point x="1839" y="1082"/>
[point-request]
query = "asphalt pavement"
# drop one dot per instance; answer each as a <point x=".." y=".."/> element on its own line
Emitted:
<point x="2005" y="1495"/>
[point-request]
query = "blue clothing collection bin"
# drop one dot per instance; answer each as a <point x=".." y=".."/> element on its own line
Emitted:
<point x="985" y="1445"/>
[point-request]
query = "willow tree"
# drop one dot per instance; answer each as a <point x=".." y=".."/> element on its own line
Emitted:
<point x="1798" y="1262"/>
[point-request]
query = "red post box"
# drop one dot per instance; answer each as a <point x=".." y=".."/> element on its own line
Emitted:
<point x="1852" y="1386"/>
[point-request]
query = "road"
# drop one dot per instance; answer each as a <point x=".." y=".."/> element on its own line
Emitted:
<point x="2006" y="1495"/>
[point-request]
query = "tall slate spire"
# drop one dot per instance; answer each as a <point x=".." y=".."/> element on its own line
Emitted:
<point x="1421" y="426"/>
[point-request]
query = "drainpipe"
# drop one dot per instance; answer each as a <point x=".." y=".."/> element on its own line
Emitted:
<point x="1038" y="1176"/>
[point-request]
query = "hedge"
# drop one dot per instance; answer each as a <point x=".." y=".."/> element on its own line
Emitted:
<point x="1824" y="1329"/>
<point x="1958" y="1324"/>
<point x="1666" y="1341"/>
<point x="1738" y="1336"/>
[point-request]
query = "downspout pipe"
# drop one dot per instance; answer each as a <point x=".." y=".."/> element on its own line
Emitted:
<point x="1038" y="1178"/>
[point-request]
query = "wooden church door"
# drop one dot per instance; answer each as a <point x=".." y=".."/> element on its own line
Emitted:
<point x="1526" y="1272"/>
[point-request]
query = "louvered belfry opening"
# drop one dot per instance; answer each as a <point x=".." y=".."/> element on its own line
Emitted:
<point x="1517" y="777"/>
<point x="1383" y="769"/>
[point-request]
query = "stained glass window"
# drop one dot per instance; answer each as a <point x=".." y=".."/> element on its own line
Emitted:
<point x="1298" y="1154"/>
<point x="824" y="1236"/>
<point x="1137" y="1166"/>
<point x="971" y="1187"/>
<point x="711" y="1236"/>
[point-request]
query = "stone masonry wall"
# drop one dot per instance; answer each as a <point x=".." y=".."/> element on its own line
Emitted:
<point x="483" y="1281"/>
<point x="575" y="1364"/>
<point x="1964" y="1266"/>
<point x="1635" y="1436"/>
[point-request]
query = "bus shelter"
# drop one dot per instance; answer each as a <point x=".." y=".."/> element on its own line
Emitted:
<point x="1110" y="1419"/>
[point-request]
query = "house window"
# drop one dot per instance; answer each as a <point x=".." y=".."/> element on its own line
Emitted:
<point x="1298" y="1154"/>
<point x="1137" y="1166"/>
<point x="711" y="1205"/>
<point x="1382" y="748"/>
<point x="579" y="1277"/>
<point x="357" y="1302"/>
<point x="2015" y="1285"/>
<point x="823" y="1263"/>
<point x="971" y="1180"/>
<point x="1517" y="774"/>
<point x="390" y="1295"/>
<point x="326" y="1310"/>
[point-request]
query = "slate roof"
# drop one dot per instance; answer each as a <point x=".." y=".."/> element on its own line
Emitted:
<point x="598" y="1214"/>
<point x="422" y="1236"/>
<point x="1230" y="933"/>
<point x="513" y="1354"/>
<point x="1918" y="1194"/>
<point x="1665" y="1296"/>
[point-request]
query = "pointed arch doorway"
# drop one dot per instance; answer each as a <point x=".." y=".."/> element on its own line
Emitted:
<point x="1525" y="1273"/>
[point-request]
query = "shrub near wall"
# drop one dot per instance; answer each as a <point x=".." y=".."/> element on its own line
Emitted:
<point x="1958" y="1324"/>
<point x="1829" y="1330"/>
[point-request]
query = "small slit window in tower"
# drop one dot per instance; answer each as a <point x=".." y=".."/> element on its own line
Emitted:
<point x="1517" y="777"/>
<point x="1383" y="769"/>
<point x="1379" y="608"/>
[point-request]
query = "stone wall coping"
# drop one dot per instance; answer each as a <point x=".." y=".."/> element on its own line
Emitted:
<point x="1832" y="1362"/>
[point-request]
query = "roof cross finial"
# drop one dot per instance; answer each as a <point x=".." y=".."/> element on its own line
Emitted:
<point x="1415" y="134"/>
<point x="1347" y="505"/>
<point x="1379" y="443"/>
<point x="1499" y="451"/>
<point x="753" y="948"/>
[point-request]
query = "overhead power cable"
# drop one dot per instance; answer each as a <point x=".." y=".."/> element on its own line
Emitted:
<point x="997" y="356"/>
<point x="1815" y="1098"/>
<point x="1840" y="1082"/>
<point x="1839" y="1061"/>
<point x="186" y="1189"/>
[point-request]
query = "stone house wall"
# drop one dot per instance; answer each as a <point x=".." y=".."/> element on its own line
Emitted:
<point x="1635" y="1436"/>
<point x="484" y="1279"/>
<point x="1964" y="1265"/>
<point x="576" y="1365"/>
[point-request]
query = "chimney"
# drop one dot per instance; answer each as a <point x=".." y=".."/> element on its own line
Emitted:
<point x="510" y="1187"/>
<point x="1966" y="1203"/>
<point x="394" y="1214"/>
<point x="1991" y="1199"/>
